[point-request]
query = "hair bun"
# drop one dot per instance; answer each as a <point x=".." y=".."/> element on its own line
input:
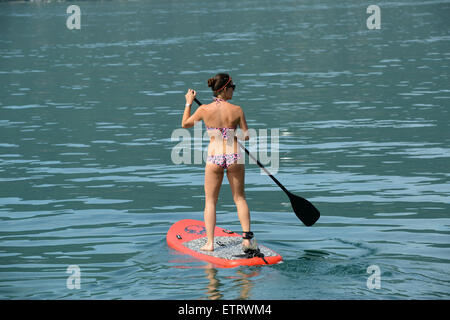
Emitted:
<point x="211" y="82"/>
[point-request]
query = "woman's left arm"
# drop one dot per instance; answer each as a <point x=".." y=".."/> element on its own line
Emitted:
<point x="188" y="120"/>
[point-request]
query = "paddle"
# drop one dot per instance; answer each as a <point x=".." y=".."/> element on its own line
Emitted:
<point x="303" y="209"/>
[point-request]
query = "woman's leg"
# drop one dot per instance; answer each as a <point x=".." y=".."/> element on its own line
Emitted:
<point x="213" y="181"/>
<point x="236" y="178"/>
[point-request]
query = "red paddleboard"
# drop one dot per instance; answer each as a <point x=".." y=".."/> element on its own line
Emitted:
<point x="188" y="236"/>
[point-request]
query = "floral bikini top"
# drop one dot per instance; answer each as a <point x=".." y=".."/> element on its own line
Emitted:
<point x="227" y="132"/>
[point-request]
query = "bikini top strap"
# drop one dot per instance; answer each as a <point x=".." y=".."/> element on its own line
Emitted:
<point x="226" y="131"/>
<point x="218" y="100"/>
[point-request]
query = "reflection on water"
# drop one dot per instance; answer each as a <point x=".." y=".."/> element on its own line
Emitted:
<point x="212" y="290"/>
<point x="241" y="282"/>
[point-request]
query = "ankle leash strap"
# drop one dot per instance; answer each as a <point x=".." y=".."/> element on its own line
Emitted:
<point x="247" y="235"/>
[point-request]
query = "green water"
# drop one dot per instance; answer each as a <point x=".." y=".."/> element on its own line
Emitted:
<point x="87" y="178"/>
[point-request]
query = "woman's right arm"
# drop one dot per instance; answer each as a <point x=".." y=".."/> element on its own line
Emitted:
<point x="243" y="124"/>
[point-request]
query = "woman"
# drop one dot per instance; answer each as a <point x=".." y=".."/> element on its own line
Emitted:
<point x="221" y="119"/>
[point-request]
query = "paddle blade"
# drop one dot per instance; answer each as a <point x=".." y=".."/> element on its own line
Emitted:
<point x="304" y="210"/>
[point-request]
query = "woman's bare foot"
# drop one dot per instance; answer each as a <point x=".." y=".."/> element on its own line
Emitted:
<point x="246" y="243"/>
<point x="208" y="247"/>
<point x="249" y="244"/>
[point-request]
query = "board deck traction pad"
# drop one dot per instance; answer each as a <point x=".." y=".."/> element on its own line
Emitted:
<point x="188" y="236"/>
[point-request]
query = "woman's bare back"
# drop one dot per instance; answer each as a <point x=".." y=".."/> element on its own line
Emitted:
<point x="222" y="114"/>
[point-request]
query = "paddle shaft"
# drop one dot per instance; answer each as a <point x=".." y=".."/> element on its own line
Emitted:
<point x="257" y="161"/>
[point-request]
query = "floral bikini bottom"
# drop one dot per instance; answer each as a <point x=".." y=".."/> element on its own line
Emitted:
<point x="224" y="160"/>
